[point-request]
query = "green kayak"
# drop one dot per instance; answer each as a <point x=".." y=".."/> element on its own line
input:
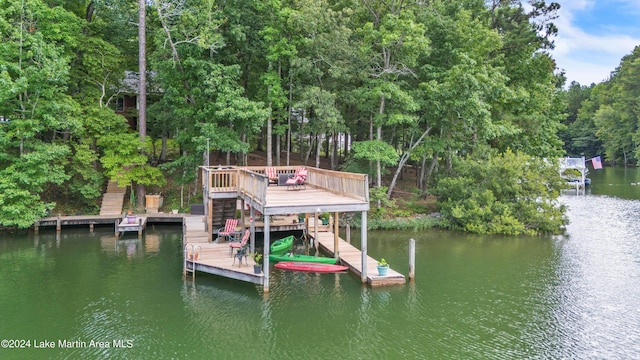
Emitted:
<point x="302" y="258"/>
<point x="279" y="247"/>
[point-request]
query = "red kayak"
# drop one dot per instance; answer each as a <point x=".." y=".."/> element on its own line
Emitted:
<point x="310" y="267"/>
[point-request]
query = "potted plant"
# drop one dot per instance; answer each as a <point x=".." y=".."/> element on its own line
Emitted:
<point x="382" y="267"/>
<point x="325" y="218"/>
<point x="131" y="218"/>
<point x="174" y="205"/>
<point x="257" y="267"/>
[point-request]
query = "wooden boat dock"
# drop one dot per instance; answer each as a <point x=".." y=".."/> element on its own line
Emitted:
<point x="324" y="191"/>
<point x="116" y="221"/>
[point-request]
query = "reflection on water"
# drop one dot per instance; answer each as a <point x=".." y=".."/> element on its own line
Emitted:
<point x="599" y="312"/>
<point x="573" y="296"/>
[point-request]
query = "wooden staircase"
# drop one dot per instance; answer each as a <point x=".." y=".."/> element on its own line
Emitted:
<point x="113" y="199"/>
<point x="194" y="229"/>
<point x="223" y="209"/>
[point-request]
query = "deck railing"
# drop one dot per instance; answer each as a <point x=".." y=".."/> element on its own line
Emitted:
<point x="343" y="183"/>
<point x="251" y="180"/>
<point x="253" y="185"/>
<point x="222" y="179"/>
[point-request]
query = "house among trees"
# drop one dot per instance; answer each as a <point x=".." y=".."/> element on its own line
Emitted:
<point x="126" y="98"/>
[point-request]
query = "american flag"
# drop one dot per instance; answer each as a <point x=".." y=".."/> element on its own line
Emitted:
<point x="596" y="162"/>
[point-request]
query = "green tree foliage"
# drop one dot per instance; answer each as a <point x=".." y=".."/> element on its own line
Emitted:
<point x="608" y="117"/>
<point x="579" y="136"/>
<point x="502" y="193"/>
<point x="36" y="42"/>
<point x="423" y="83"/>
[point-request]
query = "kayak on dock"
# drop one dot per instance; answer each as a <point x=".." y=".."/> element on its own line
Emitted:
<point x="302" y="258"/>
<point x="310" y="267"/>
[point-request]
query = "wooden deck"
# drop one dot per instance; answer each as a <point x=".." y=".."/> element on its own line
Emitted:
<point x="212" y="258"/>
<point x="283" y="200"/>
<point x="324" y="191"/>
<point x="352" y="257"/>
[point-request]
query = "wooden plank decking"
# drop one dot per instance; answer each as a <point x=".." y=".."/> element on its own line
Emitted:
<point x="215" y="259"/>
<point x="352" y="257"/>
<point x="212" y="258"/>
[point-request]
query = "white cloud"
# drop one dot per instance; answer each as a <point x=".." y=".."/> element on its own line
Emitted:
<point x="590" y="58"/>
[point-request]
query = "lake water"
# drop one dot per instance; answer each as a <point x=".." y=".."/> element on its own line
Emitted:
<point x="575" y="296"/>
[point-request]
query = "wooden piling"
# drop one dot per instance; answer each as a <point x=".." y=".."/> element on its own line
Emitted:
<point x="315" y="232"/>
<point x="336" y="243"/>
<point x="412" y="259"/>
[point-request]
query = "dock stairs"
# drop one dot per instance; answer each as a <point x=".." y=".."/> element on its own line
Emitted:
<point x="113" y="199"/>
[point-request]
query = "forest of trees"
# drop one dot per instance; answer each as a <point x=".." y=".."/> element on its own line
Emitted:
<point x="604" y="118"/>
<point x="465" y="91"/>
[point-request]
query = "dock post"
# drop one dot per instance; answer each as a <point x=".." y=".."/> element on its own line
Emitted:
<point x="139" y="228"/>
<point x="265" y="254"/>
<point x="117" y="225"/>
<point x="210" y="214"/>
<point x="184" y="231"/>
<point x="36" y="227"/>
<point x="252" y="226"/>
<point x="315" y="231"/>
<point x="412" y="259"/>
<point x="348" y="230"/>
<point x="336" y="243"/>
<point x="91" y="228"/>
<point x="363" y="251"/>
<point x="58" y="224"/>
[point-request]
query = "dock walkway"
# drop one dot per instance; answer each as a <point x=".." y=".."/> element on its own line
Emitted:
<point x="352" y="257"/>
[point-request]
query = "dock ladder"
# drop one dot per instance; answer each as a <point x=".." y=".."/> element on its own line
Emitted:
<point x="189" y="260"/>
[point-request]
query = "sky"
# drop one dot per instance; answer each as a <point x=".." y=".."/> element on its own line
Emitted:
<point x="593" y="36"/>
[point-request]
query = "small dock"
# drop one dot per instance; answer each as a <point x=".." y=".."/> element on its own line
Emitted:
<point x="100" y="220"/>
<point x="131" y="223"/>
<point x="352" y="257"/>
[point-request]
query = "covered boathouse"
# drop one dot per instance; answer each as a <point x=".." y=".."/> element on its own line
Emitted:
<point x="323" y="191"/>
